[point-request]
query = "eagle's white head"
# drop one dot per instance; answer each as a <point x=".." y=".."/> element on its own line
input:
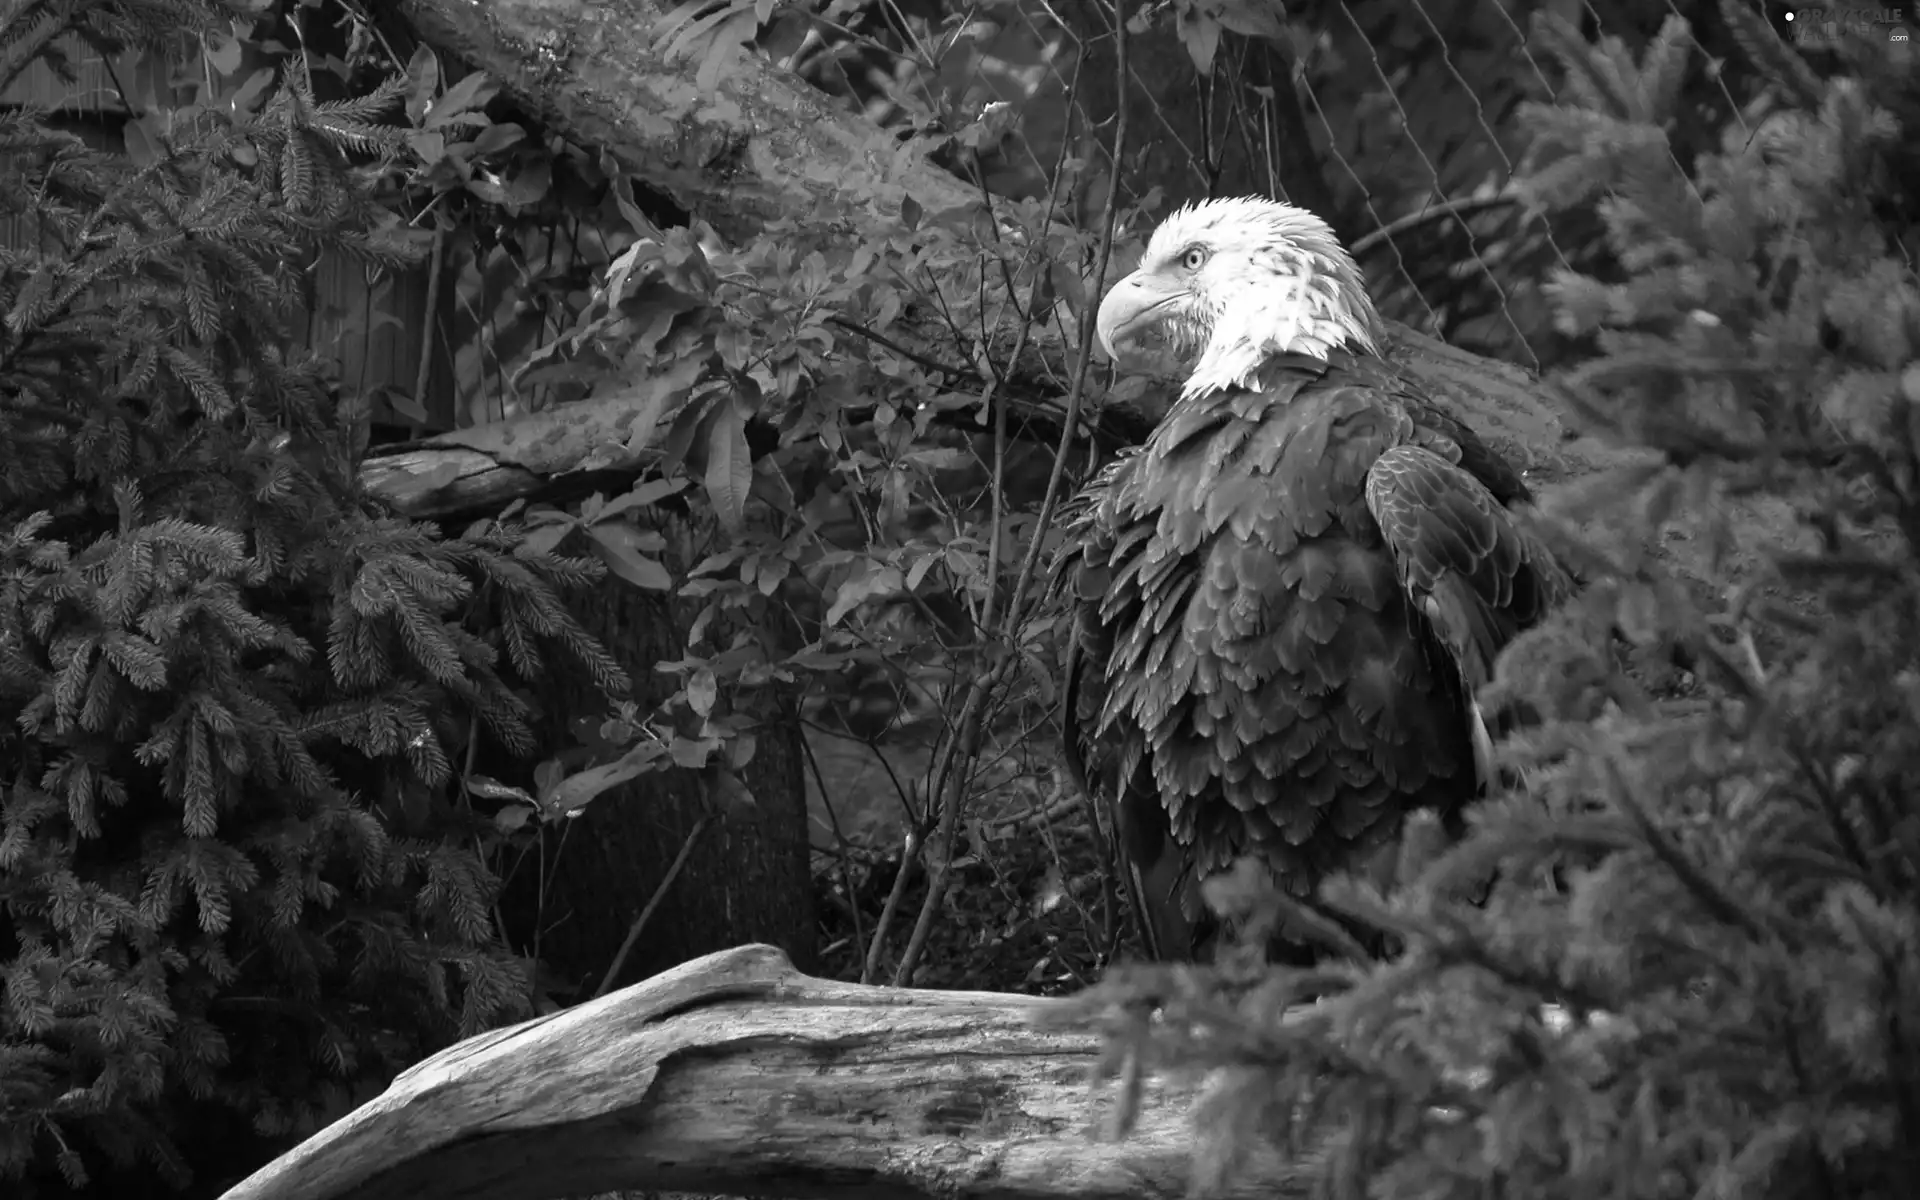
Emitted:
<point x="1242" y="279"/>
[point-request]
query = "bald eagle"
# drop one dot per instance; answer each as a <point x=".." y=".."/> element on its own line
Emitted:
<point x="1285" y="600"/>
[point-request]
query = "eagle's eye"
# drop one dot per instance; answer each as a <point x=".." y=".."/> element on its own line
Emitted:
<point x="1193" y="259"/>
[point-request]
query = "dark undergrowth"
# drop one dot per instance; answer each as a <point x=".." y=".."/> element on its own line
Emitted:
<point x="1033" y="908"/>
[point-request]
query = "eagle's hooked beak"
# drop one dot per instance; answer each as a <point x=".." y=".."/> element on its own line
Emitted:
<point x="1134" y="306"/>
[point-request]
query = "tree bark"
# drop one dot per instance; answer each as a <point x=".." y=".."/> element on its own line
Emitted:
<point x="737" y="1074"/>
<point x="757" y="145"/>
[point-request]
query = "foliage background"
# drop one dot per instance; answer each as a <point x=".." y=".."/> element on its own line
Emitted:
<point x="239" y="893"/>
<point x="852" y="530"/>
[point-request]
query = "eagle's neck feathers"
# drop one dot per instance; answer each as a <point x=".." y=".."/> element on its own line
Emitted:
<point x="1261" y="280"/>
<point x="1284" y="298"/>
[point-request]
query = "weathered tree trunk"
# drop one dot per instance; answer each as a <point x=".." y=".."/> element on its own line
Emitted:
<point x="737" y="1074"/>
<point x="759" y="145"/>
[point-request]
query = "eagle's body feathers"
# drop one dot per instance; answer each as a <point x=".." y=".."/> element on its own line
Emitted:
<point x="1285" y="598"/>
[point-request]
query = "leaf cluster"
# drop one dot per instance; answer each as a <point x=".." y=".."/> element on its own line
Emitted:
<point x="843" y="515"/>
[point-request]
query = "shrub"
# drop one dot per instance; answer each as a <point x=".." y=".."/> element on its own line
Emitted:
<point x="234" y="892"/>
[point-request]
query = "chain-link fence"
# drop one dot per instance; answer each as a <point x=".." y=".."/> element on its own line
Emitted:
<point x="1400" y="121"/>
<point x="1405" y="123"/>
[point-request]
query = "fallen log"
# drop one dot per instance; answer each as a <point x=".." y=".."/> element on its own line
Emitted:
<point x="737" y="1074"/>
<point x="742" y="146"/>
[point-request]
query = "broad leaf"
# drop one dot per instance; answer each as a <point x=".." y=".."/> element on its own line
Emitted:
<point x="574" y="792"/>
<point x="619" y="546"/>
<point x="732" y="796"/>
<point x="870" y="580"/>
<point x="702" y="691"/>
<point x="729" y="466"/>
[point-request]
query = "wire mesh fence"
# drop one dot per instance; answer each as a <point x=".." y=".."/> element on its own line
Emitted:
<point x="1403" y="122"/>
<point x="1400" y="121"/>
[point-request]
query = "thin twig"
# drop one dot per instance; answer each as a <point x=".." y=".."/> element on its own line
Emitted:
<point x="479" y="846"/>
<point x="436" y="268"/>
<point x="653" y="902"/>
<point x="1459" y="209"/>
<point x="839" y="837"/>
<point x="948" y="784"/>
<point x="909" y="854"/>
<point x="900" y="789"/>
<point x="945" y="788"/>
<point x="949" y="779"/>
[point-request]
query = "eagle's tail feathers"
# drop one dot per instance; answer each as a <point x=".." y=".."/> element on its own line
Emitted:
<point x="1482" y="745"/>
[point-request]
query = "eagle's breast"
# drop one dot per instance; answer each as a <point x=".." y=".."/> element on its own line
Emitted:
<point x="1265" y="664"/>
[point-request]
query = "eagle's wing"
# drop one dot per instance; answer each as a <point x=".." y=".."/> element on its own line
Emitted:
<point x="1476" y="457"/>
<point x="1468" y="566"/>
<point x="1114" y="774"/>
<point x="1435" y="425"/>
